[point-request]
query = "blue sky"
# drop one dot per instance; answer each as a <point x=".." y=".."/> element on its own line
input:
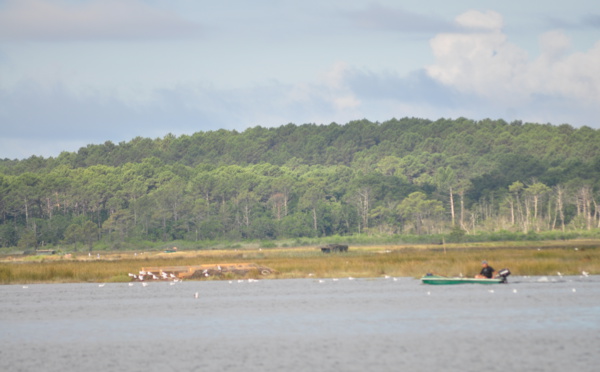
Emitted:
<point x="77" y="72"/>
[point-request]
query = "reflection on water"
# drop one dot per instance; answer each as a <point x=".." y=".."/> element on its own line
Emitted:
<point x="534" y="324"/>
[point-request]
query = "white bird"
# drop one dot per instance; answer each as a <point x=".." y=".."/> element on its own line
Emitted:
<point x="101" y="285"/>
<point x="395" y="279"/>
<point x="335" y="279"/>
<point x="321" y="281"/>
<point x="144" y="284"/>
<point x="25" y="287"/>
<point x="196" y="295"/>
<point x="387" y="276"/>
<point x="172" y="275"/>
<point x="172" y="283"/>
<point x="142" y="272"/>
<point x="585" y="273"/>
<point x="154" y="277"/>
<point x="428" y="293"/>
<point x="491" y="291"/>
<point x="131" y="284"/>
<point x="559" y="274"/>
<point x="350" y="278"/>
<point x="131" y="275"/>
<point x="141" y="277"/>
<point x="514" y="291"/>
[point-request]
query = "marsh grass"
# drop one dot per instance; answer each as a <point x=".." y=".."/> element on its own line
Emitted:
<point x="303" y="262"/>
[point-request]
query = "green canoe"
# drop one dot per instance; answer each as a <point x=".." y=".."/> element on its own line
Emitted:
<point x="444" y="280"/>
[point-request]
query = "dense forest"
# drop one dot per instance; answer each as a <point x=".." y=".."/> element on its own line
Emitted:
<point x="403" y="176"/>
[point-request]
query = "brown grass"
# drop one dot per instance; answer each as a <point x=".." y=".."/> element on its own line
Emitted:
<point x="361" y="261"/>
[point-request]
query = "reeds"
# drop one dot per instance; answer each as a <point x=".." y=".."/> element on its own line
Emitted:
<point x="367" y="261"/>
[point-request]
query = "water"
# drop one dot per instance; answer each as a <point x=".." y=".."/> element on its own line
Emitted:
<point x="530" y="324"/>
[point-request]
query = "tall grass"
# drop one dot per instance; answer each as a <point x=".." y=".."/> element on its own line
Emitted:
<point x="302" y="262"/>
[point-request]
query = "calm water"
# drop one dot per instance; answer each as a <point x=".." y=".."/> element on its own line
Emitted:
<point x="530" y="324"/>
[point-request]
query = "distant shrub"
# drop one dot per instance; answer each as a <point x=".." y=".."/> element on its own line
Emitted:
<point x="268" y="244"/>
<point x="457" y="235"/>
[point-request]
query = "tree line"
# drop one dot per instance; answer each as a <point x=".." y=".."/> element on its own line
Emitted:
<point x="406" y="176"/>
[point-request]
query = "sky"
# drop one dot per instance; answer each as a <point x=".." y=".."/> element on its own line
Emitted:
<point x="79" y="72"/>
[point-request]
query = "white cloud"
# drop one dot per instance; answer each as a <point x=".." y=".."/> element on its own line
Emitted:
<point x="554" y="44"/>
<point x="485" y="62"/>
<point x="328" y="99"/>
<point x="337" y="92"/>
<point x="61" y="20"/>
<point x="489" y="20"/>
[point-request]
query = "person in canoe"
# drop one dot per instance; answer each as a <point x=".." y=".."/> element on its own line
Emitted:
<point x="487" y="272"/>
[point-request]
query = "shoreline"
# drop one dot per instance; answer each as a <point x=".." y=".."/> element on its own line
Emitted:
<point x="368" y="261"/>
